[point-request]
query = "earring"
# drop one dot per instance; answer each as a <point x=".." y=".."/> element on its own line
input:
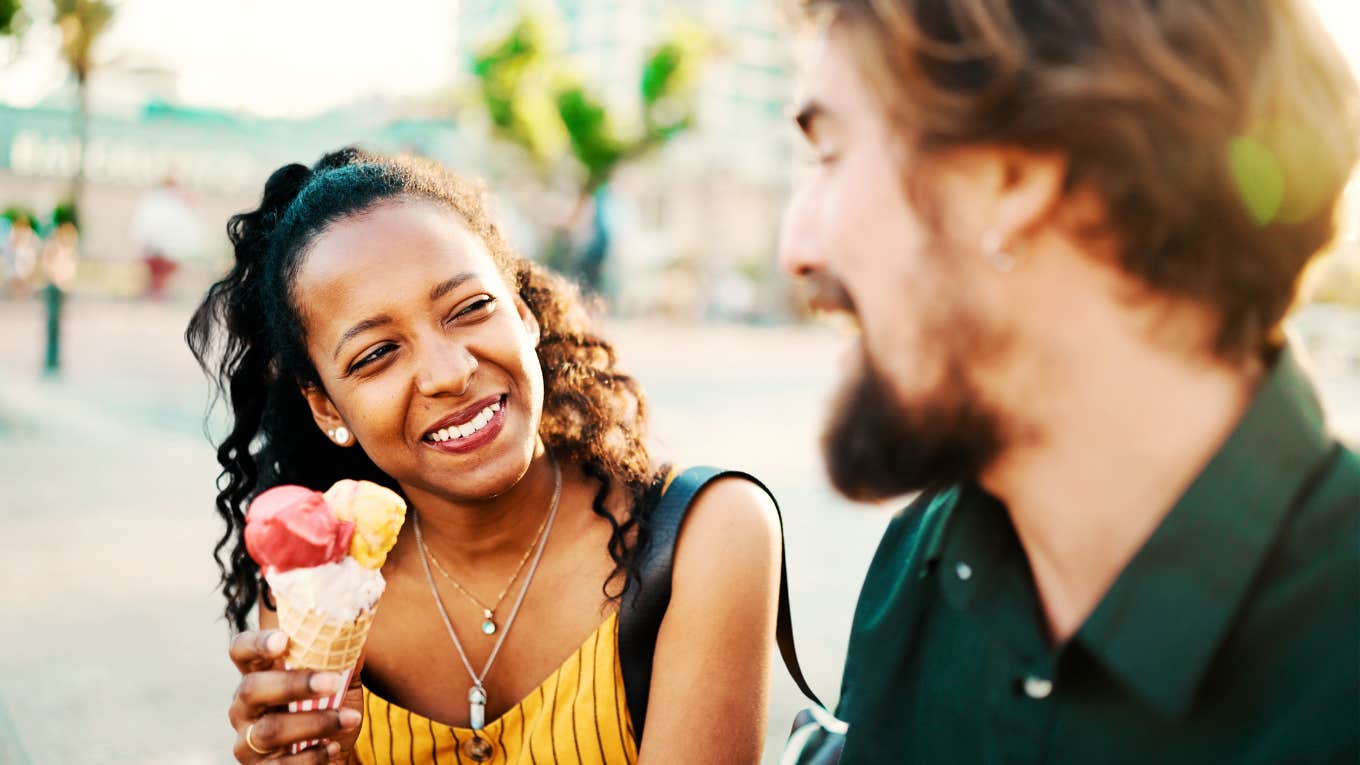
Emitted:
<point x="996" y="254"/>
<point x="339" y="435"/>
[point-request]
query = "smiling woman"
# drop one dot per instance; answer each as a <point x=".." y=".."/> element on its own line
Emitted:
<point x="376" y="326"/>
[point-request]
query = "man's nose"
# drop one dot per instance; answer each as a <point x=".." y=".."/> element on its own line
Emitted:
<point x="446" y="369"/>
<point x="799" y="253"/>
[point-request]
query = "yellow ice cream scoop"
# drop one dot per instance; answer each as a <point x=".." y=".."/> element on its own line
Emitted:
<point x="377" y="513"/>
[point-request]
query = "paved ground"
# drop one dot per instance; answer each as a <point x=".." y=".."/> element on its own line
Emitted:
<point x="111" y="652"/>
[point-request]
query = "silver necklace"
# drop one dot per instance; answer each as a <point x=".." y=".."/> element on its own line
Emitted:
<point x="478" y="749"/>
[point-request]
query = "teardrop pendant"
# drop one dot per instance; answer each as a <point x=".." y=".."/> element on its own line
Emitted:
<point x="488" y="623"/>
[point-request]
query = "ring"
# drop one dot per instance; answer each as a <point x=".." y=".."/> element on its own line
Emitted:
<point x="250" y="741"/>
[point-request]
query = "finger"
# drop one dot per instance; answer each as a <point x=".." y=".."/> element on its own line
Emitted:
<point x="254" y="650"/>
<point x="278" y="730"/>
<point x="262" y="691"/>
<point x="315" y="755"/>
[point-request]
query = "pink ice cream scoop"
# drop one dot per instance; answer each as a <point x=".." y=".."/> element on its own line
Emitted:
<point x="290" y="527"/>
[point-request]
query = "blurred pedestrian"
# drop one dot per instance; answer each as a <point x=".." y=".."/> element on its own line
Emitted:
<point x="377" y="326"/>
<point x="1069" y="232"/>
<point x="21" y="249"/>
<point x="166" y="227"/>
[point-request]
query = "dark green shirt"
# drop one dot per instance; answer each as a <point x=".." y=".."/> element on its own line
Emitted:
<point x="1232" y="636"/>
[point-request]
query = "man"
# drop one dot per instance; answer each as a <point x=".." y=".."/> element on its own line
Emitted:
<point x="1069" y="232"/>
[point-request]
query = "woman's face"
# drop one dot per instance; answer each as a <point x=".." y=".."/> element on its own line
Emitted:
<point x="423" y="351"/>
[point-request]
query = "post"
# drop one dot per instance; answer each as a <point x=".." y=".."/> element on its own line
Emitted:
<point x="52" y="298"/>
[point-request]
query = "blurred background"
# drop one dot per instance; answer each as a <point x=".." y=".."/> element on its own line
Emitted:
<point x="640" y="146"/>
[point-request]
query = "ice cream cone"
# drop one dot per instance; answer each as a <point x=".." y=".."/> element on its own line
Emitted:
<point x="314" y="642"/>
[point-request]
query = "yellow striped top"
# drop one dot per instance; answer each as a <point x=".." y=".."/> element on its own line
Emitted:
<point x="577" y="715"/>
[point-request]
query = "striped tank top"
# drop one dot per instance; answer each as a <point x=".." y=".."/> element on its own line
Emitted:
<point x="577" y="715"/>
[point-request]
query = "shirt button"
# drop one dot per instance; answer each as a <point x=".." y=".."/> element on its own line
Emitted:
<point x="964" y="571"/>
<point x="1037" y="687"/>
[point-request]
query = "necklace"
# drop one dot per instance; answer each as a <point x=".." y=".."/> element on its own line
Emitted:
<point x="477" y="748"/>
<point x="489" y="625"/>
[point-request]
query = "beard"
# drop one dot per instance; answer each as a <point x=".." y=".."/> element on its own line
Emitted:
<point x="877" y="446"/>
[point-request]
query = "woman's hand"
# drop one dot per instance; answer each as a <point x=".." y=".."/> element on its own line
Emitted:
<point x="259" y="713"/>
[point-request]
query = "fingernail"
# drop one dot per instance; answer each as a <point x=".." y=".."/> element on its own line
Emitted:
<point x="333" y="748"/>
<point x="276" y="642"/>
<point x="350" y="719"/>
<point x="325" y="682"/>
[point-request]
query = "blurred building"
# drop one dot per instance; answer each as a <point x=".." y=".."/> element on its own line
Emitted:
<point x="140" y="143"/>
<point x="703" y="215"/>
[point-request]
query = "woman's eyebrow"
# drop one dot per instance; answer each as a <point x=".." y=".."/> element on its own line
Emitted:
<point x="449" y="285"/>
<point x="363" y="326"/>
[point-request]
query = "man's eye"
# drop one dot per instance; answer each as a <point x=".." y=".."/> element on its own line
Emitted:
<point x="377" y="354"/>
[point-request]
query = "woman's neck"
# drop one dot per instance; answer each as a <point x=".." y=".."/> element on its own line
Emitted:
<point x="467" y="533"/>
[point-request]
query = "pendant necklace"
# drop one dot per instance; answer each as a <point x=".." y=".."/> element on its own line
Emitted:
<point x="489" y="625"/>
<point x="477" y="748"/>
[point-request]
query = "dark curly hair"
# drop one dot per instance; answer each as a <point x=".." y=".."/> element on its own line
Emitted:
<point x="248" y="336"/>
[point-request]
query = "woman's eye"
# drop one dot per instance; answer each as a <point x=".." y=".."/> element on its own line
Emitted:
<point x="478" y="307"/>
<point x="372" y="357"/>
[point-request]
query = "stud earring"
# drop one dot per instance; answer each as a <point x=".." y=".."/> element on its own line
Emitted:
<point x="339" y="435"/>
<point x="996" y="254"/>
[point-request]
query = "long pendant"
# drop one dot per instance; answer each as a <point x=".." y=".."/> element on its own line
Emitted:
<point x="476" y="708"/>
<point x="489" y="622"/>
<point x="477" y="748"/>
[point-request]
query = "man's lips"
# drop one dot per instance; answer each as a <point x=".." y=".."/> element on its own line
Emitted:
<point x="466" y="421"/>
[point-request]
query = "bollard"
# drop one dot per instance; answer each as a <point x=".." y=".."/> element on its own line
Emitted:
<point x="52" y="298"/>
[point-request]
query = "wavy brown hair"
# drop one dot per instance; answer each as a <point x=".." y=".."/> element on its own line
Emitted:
<point x="248" y="336"/>
<point x="1218" y="133"/>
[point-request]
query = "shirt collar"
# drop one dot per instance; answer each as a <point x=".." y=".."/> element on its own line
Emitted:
<point x="1162" y="621"/>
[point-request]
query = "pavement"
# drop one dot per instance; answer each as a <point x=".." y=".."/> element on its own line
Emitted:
<point x="112" y="651"/>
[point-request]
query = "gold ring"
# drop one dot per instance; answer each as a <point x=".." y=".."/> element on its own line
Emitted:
<point x="250" y="741"/>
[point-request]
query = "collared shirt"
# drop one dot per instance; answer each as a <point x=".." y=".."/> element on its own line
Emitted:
<point x="1233" y="635"/>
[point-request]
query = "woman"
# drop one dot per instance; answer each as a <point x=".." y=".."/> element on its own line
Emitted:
<point x="376" y="326"/>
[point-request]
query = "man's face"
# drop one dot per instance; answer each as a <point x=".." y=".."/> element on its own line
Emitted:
<point x="909" y="413"/>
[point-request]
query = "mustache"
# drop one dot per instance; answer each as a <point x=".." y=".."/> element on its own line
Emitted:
<point x="824" y="292"/>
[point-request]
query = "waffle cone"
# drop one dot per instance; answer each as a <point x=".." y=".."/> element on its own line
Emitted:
<point x="316" y="643"/>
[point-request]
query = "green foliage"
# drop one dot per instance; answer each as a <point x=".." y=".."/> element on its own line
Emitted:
<point x="593" y="141"/>
<point x="65" y="212"/>
<point x="16" y="214"/>
<point x="10" y="16"/>
<point x="81" y="23"/>
<point x="512" y="74"/>
<point x="534" y="104"/>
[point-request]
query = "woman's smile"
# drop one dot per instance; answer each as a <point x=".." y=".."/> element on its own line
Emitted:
<point x="469" y="429"/>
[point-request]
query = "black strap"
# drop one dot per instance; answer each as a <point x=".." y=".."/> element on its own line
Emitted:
<point x="643" y="608"/>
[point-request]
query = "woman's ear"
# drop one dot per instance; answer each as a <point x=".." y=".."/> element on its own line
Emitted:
<point x="325" y="414"/>
<point x="527" y="316"/>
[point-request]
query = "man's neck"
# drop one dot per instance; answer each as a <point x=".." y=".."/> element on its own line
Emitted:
<point x="1121" y="431"/>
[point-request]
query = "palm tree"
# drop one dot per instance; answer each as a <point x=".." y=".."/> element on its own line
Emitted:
<point x="536" y="105"/>
<point x="81" y="23"/>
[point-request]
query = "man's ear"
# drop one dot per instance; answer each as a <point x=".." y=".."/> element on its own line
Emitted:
<point x="1031" y="190"/>
<point x="325" y="414"/>
<point x="527" y="316"/>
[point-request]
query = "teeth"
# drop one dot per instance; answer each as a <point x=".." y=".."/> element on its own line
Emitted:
<point x="469" y="427"/>
<point x="841" y="321"/>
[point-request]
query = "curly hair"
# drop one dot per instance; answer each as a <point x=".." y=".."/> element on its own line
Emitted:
<point x="248" y="336"/>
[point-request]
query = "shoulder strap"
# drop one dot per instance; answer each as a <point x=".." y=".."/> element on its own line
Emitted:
<point x="643" y="608"/>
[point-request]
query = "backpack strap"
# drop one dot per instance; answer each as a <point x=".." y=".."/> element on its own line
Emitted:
<point x="643" y="607"/>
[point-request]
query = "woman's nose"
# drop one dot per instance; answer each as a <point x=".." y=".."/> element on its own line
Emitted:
<point x="446" y="369"/>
